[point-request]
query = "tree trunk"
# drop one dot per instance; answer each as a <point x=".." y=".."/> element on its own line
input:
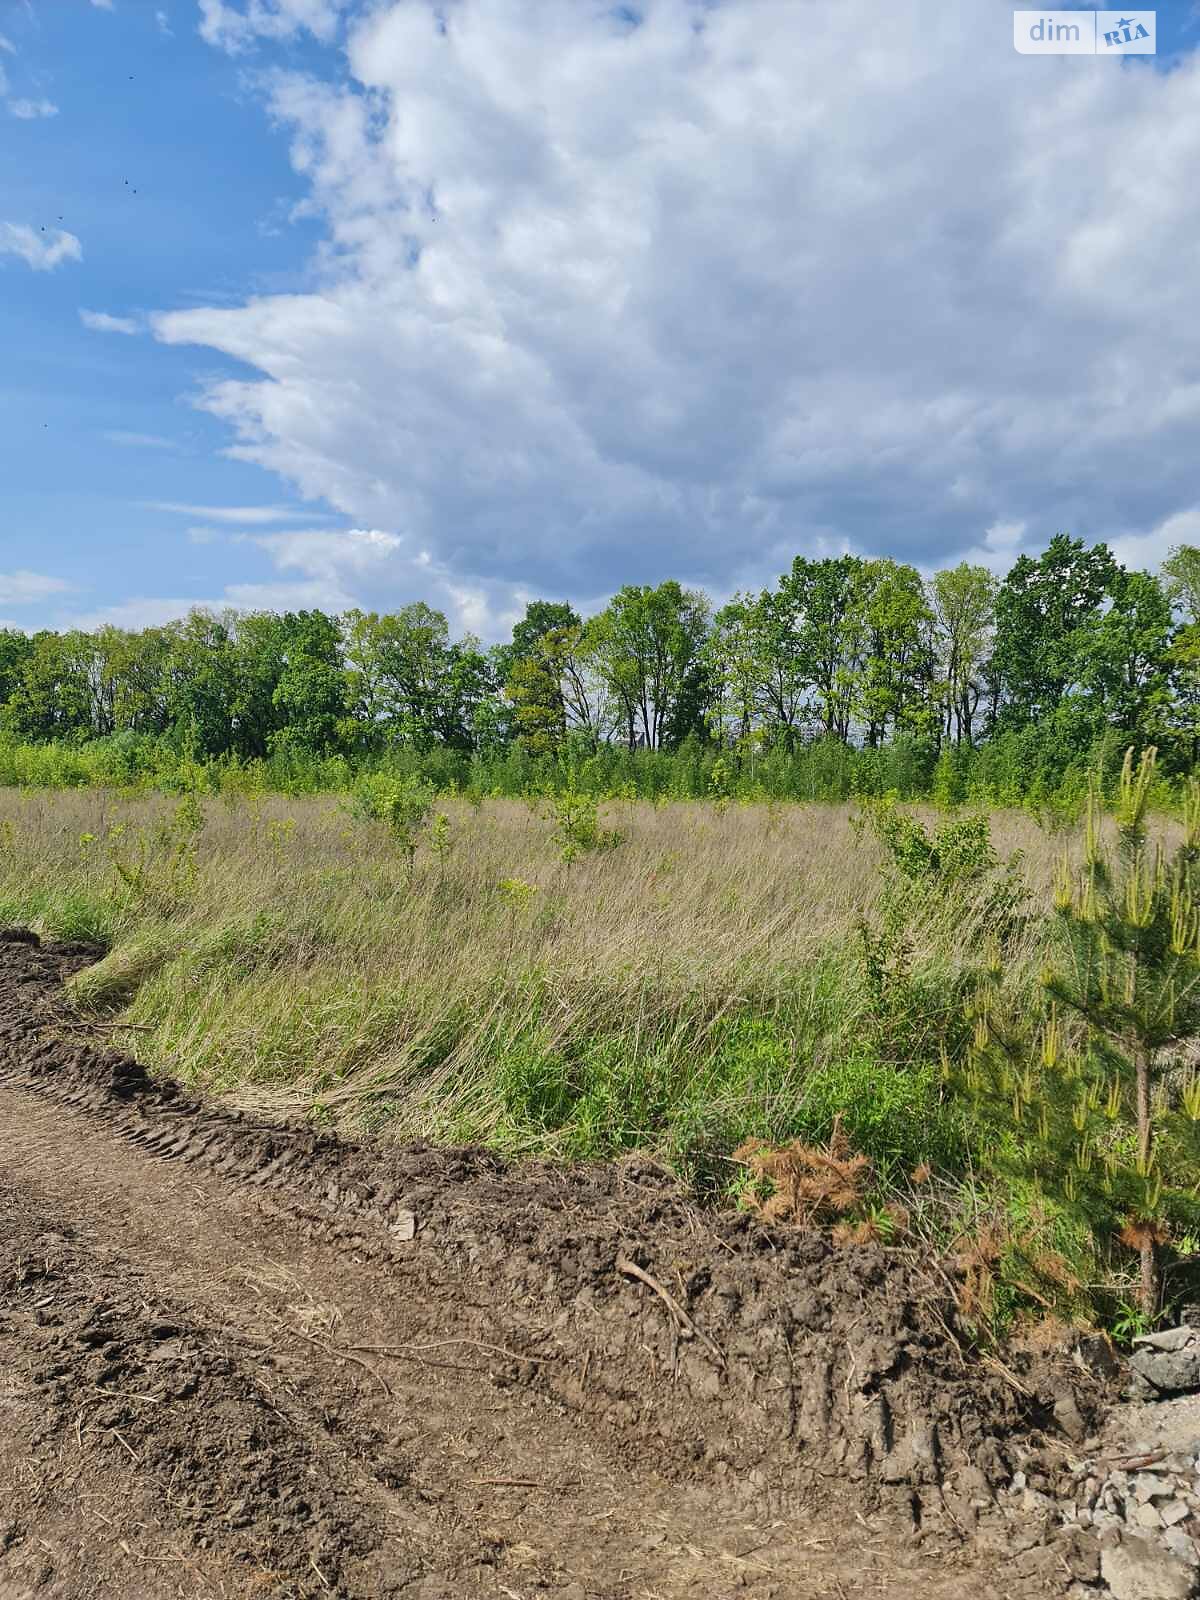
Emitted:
<point x="1149" y="1284"/>
<point x="1145" y="1131"/>
<point x="1149" y="1289"/>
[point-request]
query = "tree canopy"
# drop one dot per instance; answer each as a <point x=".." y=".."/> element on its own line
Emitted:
<point x="1069" y="648"/>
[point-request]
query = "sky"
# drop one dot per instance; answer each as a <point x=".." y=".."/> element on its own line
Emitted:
<point x="358" y="302"/>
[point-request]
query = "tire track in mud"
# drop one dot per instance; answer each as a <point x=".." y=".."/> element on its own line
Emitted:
<point x="483" y="1360"/>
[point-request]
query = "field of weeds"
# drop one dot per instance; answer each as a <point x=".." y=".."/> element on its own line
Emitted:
<point x="692" y="978"/>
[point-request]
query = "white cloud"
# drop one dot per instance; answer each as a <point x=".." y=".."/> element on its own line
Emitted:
<point x="329" y="556"/>
<point x="602" y="302"/>
<point x="103" y="5"/>
<point x="164" y="23"/>
<point x="331" y="570"/>
<point x="1002" y="543"/>
<point x="138" y="441"/>
<point x="27" y="588"/>
<point x="101" y="322"/>
<point x="1150" y="549"/>
<point x="377" y="571"/>
<point x="150" y="611"/>
<point x="7" y="45"/>
<point x="250" y="515"/>
<point x="328" y="563"/>
<point x="138" y="612"/>
<point x="42" y="254"/>
<point x="235" y="30"/>
<point x="307" y="596"/>
<point x="31" y="110"/>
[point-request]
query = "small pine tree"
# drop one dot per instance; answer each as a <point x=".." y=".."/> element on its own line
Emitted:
<point x="441" y="842"/>
<point x="1133" y="929"/>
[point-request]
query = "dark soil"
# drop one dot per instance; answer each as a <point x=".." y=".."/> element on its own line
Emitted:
<point x="280" y="1363"/>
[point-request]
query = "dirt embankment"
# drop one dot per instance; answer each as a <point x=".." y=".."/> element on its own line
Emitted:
<point x="282" y="1363"/>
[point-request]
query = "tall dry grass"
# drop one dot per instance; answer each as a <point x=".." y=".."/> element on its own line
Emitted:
<point x="300" y="967"/>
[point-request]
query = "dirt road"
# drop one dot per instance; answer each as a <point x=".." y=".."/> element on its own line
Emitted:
<point x="268" y="1364"/>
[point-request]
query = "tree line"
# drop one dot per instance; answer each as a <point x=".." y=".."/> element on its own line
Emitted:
<point x="1070" y="646"/>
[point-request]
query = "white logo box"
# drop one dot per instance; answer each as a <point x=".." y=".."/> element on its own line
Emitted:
<point x="1084" y="33"/>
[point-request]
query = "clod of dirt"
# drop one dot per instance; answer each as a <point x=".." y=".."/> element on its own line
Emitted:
<point x="135" y="1391"/>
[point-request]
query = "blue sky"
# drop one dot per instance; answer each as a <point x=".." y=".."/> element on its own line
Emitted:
<point x="362" y="304"/>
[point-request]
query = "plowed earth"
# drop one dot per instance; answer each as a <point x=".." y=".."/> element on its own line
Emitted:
<point x="241" y="1360"/>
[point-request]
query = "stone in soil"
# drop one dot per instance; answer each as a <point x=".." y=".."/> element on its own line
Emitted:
<point x="1167" y="1363"/>
<point x="1143" y="1568"/>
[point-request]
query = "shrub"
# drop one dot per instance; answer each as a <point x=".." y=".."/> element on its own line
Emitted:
<point x="577" y="825"/>
<point x="402" y="804"/>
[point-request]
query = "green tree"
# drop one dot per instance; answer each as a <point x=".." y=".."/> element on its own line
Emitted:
<point x="756" y="668"/>
<point x="409" y="684"/>
<point x="1122" y="658"/>
<point x="646" y="646"/>
<point x="1181" y="576"/>
<point x="541" y="617"/>
<point x="531" y="682"/>
<point x="535" y="690"/>
<point x="135" y="668"/>
<point x="52" y="697"/>
<point x="106" y="681"/>
<point x="556" y="692"/>
<point x="1041" y="608"/>
<point x="735" y="668"/>
<point x="15" y="650"/>
<point x="827" y="600"/>
<point x="200" y="683"/>
<point x="259" y="653"/>
<point x="893" y="681"/>
<point x="1133" y="931"/>
<point x="1183" y="661"/>
<point x="310" y="693"/>
<point x="963" y="600"/>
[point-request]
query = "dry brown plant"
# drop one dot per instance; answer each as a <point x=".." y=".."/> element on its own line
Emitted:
<point x="808" y="1183"/>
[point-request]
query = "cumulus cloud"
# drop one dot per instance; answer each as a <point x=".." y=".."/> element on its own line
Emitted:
<point x="28" y="588"/>
<point x="31" y="110"/>
<point x="330" y="555"/>
<point x="42" y="253"/>
<point x="604" y="299"/>
<point x="101" y="322"/>
<point x="335" y="569"/>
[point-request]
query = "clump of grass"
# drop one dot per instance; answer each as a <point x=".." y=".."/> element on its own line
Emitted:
<point x="113" y="981"/>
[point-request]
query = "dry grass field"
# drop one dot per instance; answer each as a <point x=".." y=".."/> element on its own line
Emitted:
<point x="283" y="953"/>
